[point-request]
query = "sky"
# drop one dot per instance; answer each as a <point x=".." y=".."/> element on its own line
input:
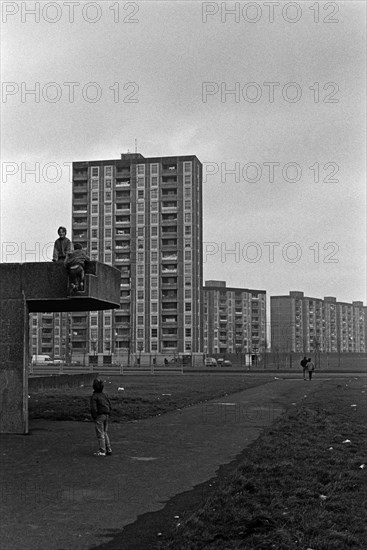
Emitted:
<point x="270" y="98"/>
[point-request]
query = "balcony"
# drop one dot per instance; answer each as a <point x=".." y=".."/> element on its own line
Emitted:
<point x="169" y="206"/>
<point x="167" y="256"/>
<point x="169" y="320"/>
<point x="80" y="223"/>
<point x="80" y="176"/>
<point x="122" y="220"/>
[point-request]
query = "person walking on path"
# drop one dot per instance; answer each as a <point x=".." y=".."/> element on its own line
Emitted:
<point x="304" y="367"/>
<point x="100" y="409"/>
<point x="75" y="265"/>
<point x="310" y="368"/>
<point x="62" y="246"/>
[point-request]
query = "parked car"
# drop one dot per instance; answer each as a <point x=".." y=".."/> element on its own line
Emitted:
<point x="210" y="362"/>
<point x="41" y="359"/>
<point x="220" y="362"/>
<point x="227" y="363"/>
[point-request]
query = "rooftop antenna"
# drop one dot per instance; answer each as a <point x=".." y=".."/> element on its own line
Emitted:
<point x="136" y="145"/>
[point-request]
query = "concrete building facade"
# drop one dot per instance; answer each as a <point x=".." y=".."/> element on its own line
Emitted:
<point x="234" y="319"/>
<point x="303" y="324"/>
<point x="144" y="216"/>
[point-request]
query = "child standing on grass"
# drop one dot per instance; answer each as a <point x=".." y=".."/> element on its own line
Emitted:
<point x="100" y="409"/>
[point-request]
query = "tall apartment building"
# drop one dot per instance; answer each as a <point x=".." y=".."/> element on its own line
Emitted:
<point x="302" y="324"/>
<point x="144" y="216"/>
<point x="49" y="334"/>
<point x="234" y="319"/>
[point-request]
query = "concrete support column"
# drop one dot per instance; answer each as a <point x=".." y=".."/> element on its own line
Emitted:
<point x="14" y="323"/>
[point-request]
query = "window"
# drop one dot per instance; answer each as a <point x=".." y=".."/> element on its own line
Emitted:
<point x="94" y="208"/>
<point x="187" y="166"/>
<point x="154" y="307"/>
<point x="141" y="218"/>
<point x="94" y="245"/>
<point x="94" y="195"/>
<point x="108" y="220"/>
<point x="154" y="231"/>
<point x="154" y="294"/>
<point x="187" y="192"/>
<point x="140" y="169"/>
<point x="187" y="207"/>
<point x="108" y="208"/>
<point x="187" y="346"/>
<point x="154" y="256"/>
<point x="95" y="172"/>
<point x="187" y="319"/>
<point x="140" y="319"/>
<point x="154" y="346"/>
<point x="107" y="233"/>
<point x="140" y="307"/>
<point x="94" y="184"/>
<point x="154" y="243"/>
<point x="140" y="256"/>
<point x="187" y="281"/>
<point x="140" y="269"/>
<point x="94" y="233"/>
<point x="154" y="194"/>
<point x="154" y="320"/>
<point x="141" y="207"/>
<point x="154" y="181"/>
<point x="93" y="321"/>
<point x="187" y="180"/>
<point x="187" y="269"/>
<point x="108" y="257"/>
<point x="154" y="282"/>
<point x="108" y="183"/>
<point x="154" y="206"/>
<point x="154" y="168"/>
<point x="141" y="182"/>
<point x="187" y="255"/>
<point x="187" y="243"/>
<point x="140" y="335"/>
<point x="154" y="333"/>
<point x="140" y="281"/>
<point x="107" y="196"/>
<point x="107" y="320"/>
<point x="94" y="220"/>
<point x="187" y="332"/>
<point x="140" y="193"/>
<point x="108" y="171"/>
<point x="154" y="269"/>
<point x="154" y="218"/>
<point x="187" y="294"/>
<point x="140" y="294"/>
<point x="187" y="230"/>
<point x="188" y="306"/>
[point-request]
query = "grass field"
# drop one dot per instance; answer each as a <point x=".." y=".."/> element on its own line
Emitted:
<point x="301" y="485"/>
<point x="141" y="396"/>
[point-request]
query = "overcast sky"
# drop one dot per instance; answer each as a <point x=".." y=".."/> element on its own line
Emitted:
<point x="161" y="71"/>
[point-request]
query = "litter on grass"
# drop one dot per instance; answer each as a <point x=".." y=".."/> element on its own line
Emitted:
<point x="346" y="441"/>
<point x="121" y="389"/>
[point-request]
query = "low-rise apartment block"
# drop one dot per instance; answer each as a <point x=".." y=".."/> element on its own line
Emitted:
<point x="303" y="324"/>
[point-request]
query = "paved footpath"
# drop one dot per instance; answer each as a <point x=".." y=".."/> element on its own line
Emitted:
<point x="55" y="495"/>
